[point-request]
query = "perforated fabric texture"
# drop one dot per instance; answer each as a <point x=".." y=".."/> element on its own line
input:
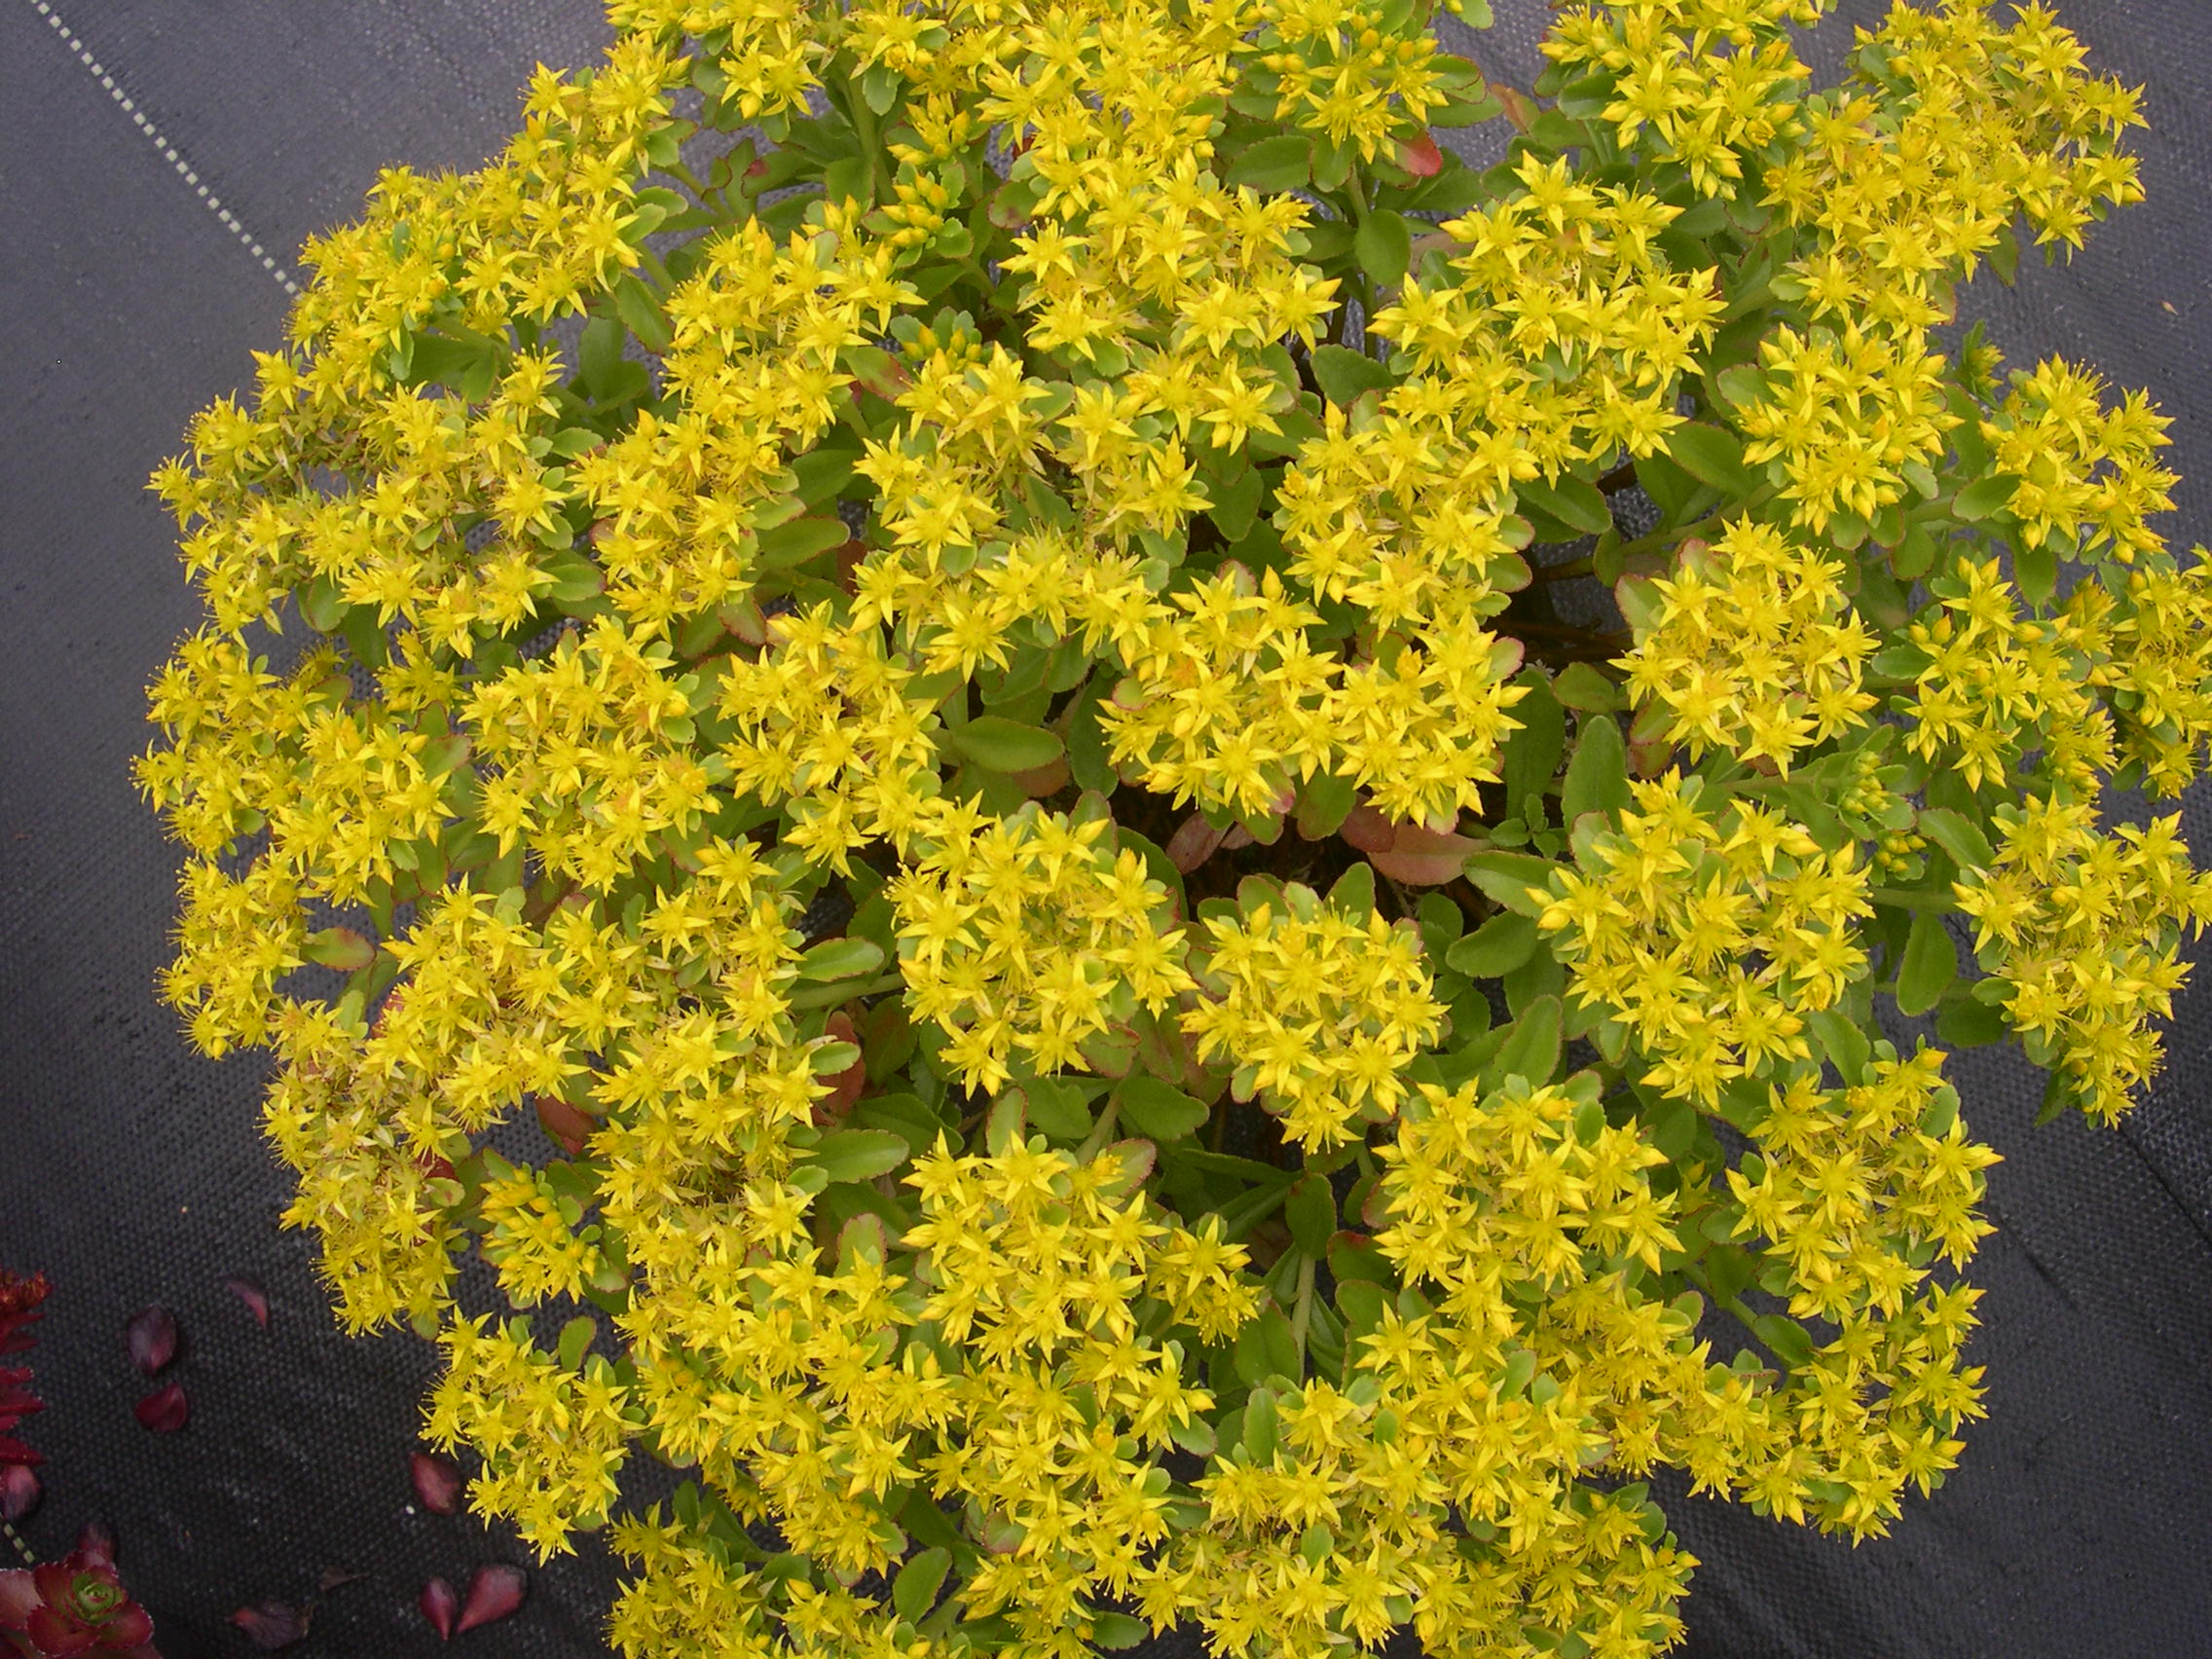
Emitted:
<point x="133" y="1172"/>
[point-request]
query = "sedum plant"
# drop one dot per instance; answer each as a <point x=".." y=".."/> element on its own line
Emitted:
<point x="1191" y="828"/>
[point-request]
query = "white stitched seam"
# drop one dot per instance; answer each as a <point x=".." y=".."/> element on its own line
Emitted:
<point x="169" y="151"/>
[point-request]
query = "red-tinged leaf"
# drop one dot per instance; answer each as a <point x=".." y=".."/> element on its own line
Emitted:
<point x="1193" y="843"/>
<point x="165" y="1410"/>
<point x="1368" y="830"/>
<point x="1408" y="852"/>
<point x="152" y="1336"/>
<point x="563" y="1124"/>
<point x="1417" y="866"/>
<point x="1420" y="157"/>
<point x="333" y="1578"/>
<point x="492" y="1594"/>
<point x="441" y="1605"/>
<point x="19" y="1599"/>
<point x="1041" y="780"/>
<point x="18" y="1491"/>
<point x="96" y="1543"/>
<point x="844" y="1086"/>
<point x="272" y="1625"/>
<point x="249" y="1292"/>
<point x="437" y="1482"/>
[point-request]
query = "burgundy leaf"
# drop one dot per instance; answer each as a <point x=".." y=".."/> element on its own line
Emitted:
<point x="492" y="1594"/>
<point x="249" y="1292"/>
<point x="565" y="1126"/>
<point x="96" y="1542"/>
<point x="165" y="1410"/>
<point x="437" y="1481"/>
<point x="19" y="1492"/>
<point x="19" y="1599"/>
<point x="18" y="1309"/>
<point x="440" y="1606"/>
<point x="273" y="1624"/>
<point x="1193" y="843"/>
<point x="335" y="1576"/>
<point x="152" y="1333"/>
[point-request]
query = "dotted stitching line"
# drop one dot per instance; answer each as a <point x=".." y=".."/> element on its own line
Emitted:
<point x="167" y="150"/>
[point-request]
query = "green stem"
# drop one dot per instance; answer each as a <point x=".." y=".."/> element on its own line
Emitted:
<point x="852" y="103"/>
<point x="1100" y="1134"/>
<point x="470" y="337"/>
<point x="1362" y="287"/>
<point x="1958" y="991"/>
<point x="1302" y="1314"/>
<point x="1904" y="899"/>
<point x="1734" y="1306"/>
<point x="1665" y="536"/>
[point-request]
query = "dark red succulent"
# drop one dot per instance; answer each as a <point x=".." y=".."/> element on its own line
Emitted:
<point x="20" y="1299"/>
<point x="61" y="1608"/>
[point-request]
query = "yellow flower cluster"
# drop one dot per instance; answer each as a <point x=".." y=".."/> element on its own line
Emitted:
<point x="1949" y="129"/>
<point x="2083" y="929"/>
<point x="1485" y="1414"/>
<point x="387" y="1236"/>
<point x="2151" y="647"/>
<point x="1320" y="1010"/>
<point x="1018" y="1372"/>
<point x="1850" y="418"/>
<point x="1556" y="334"/>
<point x="1707" y="934"/>
<point x="1025" y="935"/>
<point x="1709" y="110"/>
<point x="2090" y="476"/>
<point x="1858" y="1190"/>
<point x="1994" y="683"/>
<point x="1227" y="702"/>
<point x="591" y="746"/>
<point x="533" y="1243"/>
<point x="1348" y="68"/>
<point x="1756" y="649"/>
<point x="1848" y="1183"/>
<point x="693" y="1596"/>
<point x="823" y="727"/>
<point x="602" y="685"/>
<point x="553" y="1437"/>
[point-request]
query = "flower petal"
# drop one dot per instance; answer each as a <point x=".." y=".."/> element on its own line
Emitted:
<point x="441" y="1605"/>
<point x="273" y="1624"/>
<point x="492" y="1594"/>
<point x="152" y="1335"/>
<point x="19" y="1492"/>
<point x="165" y="1410"/>
<point x="437" y="1482"/>
<point x="249" y="1292"/>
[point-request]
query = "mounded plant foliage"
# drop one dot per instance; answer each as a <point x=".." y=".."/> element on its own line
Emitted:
<point x="1149" y="1000"/>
